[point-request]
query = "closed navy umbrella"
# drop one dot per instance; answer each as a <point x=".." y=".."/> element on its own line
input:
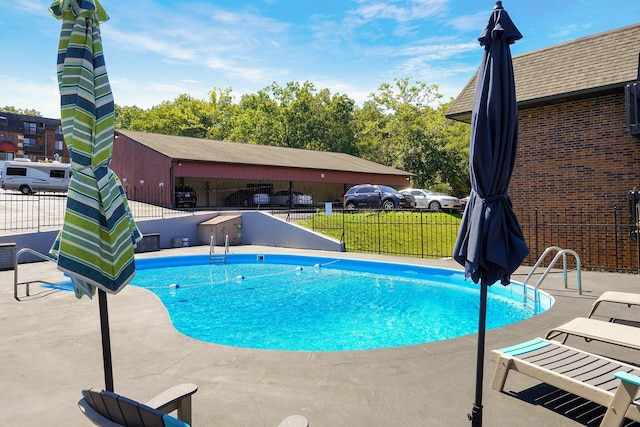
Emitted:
<point x="490" y="243"/>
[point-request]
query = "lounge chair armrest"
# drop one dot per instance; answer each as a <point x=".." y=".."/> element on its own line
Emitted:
<point x="624" y="396"/>
<point x="630" y="378"/>
<point x="294" y="421"/>
<point x="177" y="397"/>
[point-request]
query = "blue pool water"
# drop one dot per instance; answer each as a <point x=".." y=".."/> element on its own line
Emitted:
<point x="290" y="302"/>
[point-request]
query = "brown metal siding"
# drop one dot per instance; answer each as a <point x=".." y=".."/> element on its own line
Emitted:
<point x="238" y="171"/>
<point x="141" y="170"/>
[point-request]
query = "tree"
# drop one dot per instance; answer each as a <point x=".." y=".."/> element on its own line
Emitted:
<point x="25" y="111"/>
<point x="258" y="120"/>
<point x="222" y="113"/>
<point x="399" y="126"/>
<point x="125" y="115"/>
<point x="402" y="125"/>
<point x="335" y="124"/>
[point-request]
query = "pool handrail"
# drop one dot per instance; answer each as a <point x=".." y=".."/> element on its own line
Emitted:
<point x="15" y="268"/>
<point x="212" y="244"/>
<point x="560" y="253"/>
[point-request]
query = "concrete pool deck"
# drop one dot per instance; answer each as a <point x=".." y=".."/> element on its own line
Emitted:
<point x="50" y="349"/>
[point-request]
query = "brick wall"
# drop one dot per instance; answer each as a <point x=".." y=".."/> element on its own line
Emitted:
<point x="576" y="163"/>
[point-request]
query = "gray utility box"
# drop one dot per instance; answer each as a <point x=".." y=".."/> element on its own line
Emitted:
<point x="150" y="242"/>
<point x="7" y="255"/>
<point x="220" y="227"/>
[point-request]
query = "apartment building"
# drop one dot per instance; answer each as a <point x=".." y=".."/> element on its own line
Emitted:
<point x="35" y="138"/>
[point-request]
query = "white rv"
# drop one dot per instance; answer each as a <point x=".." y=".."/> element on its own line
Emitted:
<point x="29" y="177"/>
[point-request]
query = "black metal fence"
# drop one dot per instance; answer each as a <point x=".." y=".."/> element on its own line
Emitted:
<point x="423" y="234"/>
<point x="604" y="238"/>
<point x="45" y="211"/>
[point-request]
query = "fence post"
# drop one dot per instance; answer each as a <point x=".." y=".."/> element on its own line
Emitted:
<point x="421" y="235"/>
<point x="615" y="230"/>
<point x="537" y="231"/>
<point x="342" y="238"/>
<point x="379" y="235"/>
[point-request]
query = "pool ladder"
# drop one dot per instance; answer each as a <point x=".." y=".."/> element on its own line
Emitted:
<point x="560" y="253"/>
<point x="212" y="244"/>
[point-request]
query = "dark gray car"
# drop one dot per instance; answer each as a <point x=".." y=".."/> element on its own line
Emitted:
<point x="186" y="197"/>
<point x="368" y="196"/>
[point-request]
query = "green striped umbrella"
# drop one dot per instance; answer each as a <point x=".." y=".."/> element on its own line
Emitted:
<point x="95" y="246"/>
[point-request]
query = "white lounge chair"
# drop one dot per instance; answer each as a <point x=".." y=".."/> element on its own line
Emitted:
<point x="614" y="297"/>
<point x="604" y="381"/>
<point x="598" y="330"/>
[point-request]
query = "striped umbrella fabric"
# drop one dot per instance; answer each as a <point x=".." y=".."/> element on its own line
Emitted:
<point x="95" y="246"/>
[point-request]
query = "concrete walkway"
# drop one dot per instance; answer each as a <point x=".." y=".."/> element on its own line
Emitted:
<point x="50" y="349"/>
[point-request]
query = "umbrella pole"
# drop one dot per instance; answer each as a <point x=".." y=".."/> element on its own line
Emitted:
<point x="476" y="413"/>
<point x="106" y="340"/>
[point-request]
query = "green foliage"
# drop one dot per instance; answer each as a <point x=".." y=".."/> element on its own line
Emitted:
<point x="258" y="121"/>
<point x="402" y="126"/>
<point x="407" y="233"/>
<point x="25" y="111"/>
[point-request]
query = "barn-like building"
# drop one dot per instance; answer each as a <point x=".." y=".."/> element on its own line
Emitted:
<point x="151" y="166"/>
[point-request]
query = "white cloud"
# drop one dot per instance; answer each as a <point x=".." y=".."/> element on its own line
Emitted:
<point x="25" y="93"/>
<point x="36" y="7"/>
<point x="369" y="10"/>
<point x="466" y="23"/>
<point x="568" y="30"/>
<point x="436" y="52"/>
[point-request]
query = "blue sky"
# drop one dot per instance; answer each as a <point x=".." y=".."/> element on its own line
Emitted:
<point x="158" y="49"/>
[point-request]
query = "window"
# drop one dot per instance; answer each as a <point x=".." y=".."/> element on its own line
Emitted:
<point x="29" y="142"/>
<point x="59" y="145"/>
<point x="2" y="136"/>
<point x="365" y="190"/>
<point x="17" y="171"/>
<point x="30" y="127"/>
<point x="10" y="138"/>
<point x="56" y="173"/>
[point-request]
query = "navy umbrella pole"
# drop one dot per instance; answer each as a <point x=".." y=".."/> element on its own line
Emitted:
<point x="106" y="340"/>
<point x="476" y="412"/>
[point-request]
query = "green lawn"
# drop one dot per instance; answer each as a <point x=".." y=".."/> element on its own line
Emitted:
<point x="407" y="233"/>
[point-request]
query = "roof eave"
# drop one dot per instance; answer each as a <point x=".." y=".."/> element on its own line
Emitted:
<point x="465" y="116"/>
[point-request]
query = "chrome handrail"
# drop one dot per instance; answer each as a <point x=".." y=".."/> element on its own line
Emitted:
<point x="15" y="268"/>
<point x="212" y="244"/>
<point x="561" y="253"/>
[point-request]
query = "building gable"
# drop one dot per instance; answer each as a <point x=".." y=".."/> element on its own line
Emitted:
<point x="599" y="63"/>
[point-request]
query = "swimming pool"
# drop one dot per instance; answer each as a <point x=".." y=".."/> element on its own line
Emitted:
<point x="303" y="303"/>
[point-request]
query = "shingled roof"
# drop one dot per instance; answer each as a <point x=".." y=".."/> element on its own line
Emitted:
<point x="598" y="63"/>
<point x="207" y="150"/>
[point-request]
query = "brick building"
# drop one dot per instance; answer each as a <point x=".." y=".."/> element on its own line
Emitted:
<point x="578" y="157"/>
<point x="35" y="138"/>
